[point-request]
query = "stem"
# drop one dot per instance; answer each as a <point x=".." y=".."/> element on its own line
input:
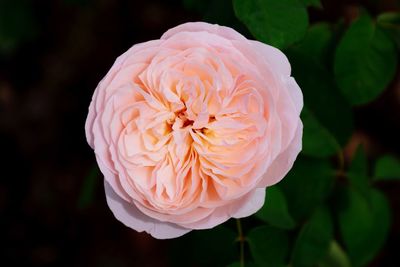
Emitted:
<point x="241" y="241"/>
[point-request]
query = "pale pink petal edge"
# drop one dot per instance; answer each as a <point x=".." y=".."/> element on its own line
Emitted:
<point x="243" y="207"/>
<point x="273" y="56"/>
<point x="216" y="29"/>
<point x="129" y="215"/>
<point x="284" y="162"/>
<point x="295" y="93"/>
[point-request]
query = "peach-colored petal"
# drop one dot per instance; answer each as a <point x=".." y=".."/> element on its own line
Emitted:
<point x="129" y="215"/>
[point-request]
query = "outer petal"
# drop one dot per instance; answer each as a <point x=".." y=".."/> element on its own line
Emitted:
<point x="216" y="29"/>
<point x="284" y="162"/>
<point x="112" y="179"/>
<point x="129" y="215"/>
<point x="295" y="93"/>
<point x="273" y="56"/>
<point x="243" y="207"/>
<point x="250" y="204"/>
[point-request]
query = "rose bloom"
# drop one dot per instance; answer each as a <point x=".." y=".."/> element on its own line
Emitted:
<point x="190" y="129"/>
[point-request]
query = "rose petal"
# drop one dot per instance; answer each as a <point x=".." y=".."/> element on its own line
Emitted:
<point x="243" y="207"/>
<point x="216" y="29"/>
<point x="129" y="215"/>
<point x="273" y="56"/>
<point x="284" y="162"/>
<point x="251" y="203"/>
<point x="295" y="93"/>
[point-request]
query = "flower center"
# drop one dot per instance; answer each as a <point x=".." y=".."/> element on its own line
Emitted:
<point x="181" y="114"/>
<point x="180" y="120"/>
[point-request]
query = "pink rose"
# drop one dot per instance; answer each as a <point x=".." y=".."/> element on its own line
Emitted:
<point x="190" y="129"/>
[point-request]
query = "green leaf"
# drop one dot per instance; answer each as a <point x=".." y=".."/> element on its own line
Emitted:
<point x="390" y="23"/>
<point x="336" y="257"/>
<point x="317" y="140"/>
<point x="365" y="61"/>
<point x="88" y="188"/>
<point x="322" y="98"/>
<point x="359" y="163"/>
<point x="275" y="22"/>
<point x="269" y="246"/>
<point x="275" y="210"/>
<point x="307" y="185"/>
<point x="316" y="44"/>
<point x="313" y="3"/>
<point x="364" y="224"/>
<point x="387" y="168"/>
<point x="213" y="247"/>
<point x="358" y="172"/>
<point x="314" y="239"/>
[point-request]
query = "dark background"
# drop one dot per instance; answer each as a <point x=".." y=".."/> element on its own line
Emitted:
<point x="52" y="56"/>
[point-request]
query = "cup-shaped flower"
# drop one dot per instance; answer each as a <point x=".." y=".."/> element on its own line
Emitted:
<point x="190" y="129"/>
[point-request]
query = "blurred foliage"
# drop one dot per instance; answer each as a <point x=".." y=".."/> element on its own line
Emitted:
<point x="314" y="239"/>
<point x="17" y="24"/>
<point x="327" y="212"/>
<point x="269" y="246"/>
<point x="307" y="185"/>
<point x="86" y="196"/>
<point x="278" y="23"/>
<point x="358" y="173"/>
<point x="387" y="168"/>
<point x="313" y="3"/>
<point x="335" y="257"/>
<point x="317" y="141"/>
<point x="364" y="223"/>
<point x="365" y="61"/>
<point x="247" y="264"/>
<point x="277" y="213"/>
<point x="213" y="247"/>
<point x="390" y="23"/>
